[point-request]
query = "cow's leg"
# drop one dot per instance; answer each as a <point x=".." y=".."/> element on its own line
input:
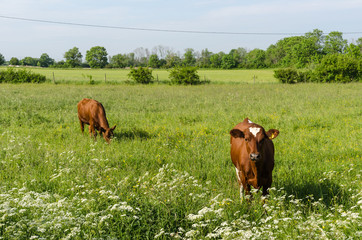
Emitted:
<point x="244" y="188"/>
<point x="92" y="131"/>
<point x="241" y="188"/>
<point x="81" y="126"/>
<point x="266" y="186"/>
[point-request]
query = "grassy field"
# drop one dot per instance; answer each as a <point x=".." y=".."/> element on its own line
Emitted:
<point x="167" y="173"/>
<point x="79" y="76"/>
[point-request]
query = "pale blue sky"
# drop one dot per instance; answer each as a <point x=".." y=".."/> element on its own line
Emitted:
<point x="24" y="38"/>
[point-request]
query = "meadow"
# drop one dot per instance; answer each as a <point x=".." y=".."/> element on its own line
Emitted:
<point x="117" y="76"/>
<point x="167" y="173"/>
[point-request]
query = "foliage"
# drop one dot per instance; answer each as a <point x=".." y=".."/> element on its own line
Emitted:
<point x="90" y="77"/>
<point x="334" y="43"/>
<point x="97" y="57"/>
<point x="2" y="59"/>
<point x="172" y="60"/>
<point x="228" y="62"/>
<point x="256" y="59"/>
<point x="29" y="61"/>
<point x="154" y="61"/>
<point x="141" y="75"/>
<point x="292" y="75"/>
<point x="45" y="60"/>
<point x="14" y="61"/>
<point x="73" y="57"/>
<point x="10" y="75"/>
<point x="184" y="76"/>
<point x="339" y="68"/>
<point x="286" y="75"/>
<point x="123" y="60"/>
<point x="189" y="57"/>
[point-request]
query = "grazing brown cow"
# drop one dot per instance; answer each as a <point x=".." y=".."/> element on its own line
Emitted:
<point x="252" y="153"/>
<point x="92" y="112"/>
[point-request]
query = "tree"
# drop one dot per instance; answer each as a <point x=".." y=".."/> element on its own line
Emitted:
<point x="122" y="60"/>
<point x="189" y="57"/>
<point x="14" y="61"/>
<point x="97" y="57"/>
<point x="73" y="57"/>
<point x="318" y="39"/>
<point x="238" y="56"/>
<point x="228" y="62"/>
<point x="2" y="59"/>
<point x="141" y="56"/>
<point x="154" y="61"/>
<point x="334" y="43"/>
<point x="256" y="58"/>
<point x="353" y="50"/>
<point x="29" y="61"/>
<point x="204" y="60"/>
<point x="172" y="60"/>
<point x="161" y="51"/>
<point x="45" y="60"/>
<point x="216" y="60"/>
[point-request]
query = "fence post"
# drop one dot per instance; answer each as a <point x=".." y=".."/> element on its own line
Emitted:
<point x="53" y="78"/>
<point x="105" y="78"/>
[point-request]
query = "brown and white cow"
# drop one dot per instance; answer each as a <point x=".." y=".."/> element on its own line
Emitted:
<point x="92" y="112"/>
<point x="252" y="153"/>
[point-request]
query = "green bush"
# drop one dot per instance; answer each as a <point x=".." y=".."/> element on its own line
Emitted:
<point x="141" y="75"/>
<point x="184" y="75"/>
<point x="287" y="75"/>
<point x="20" y="76"/>
<point x="339" y="68"/>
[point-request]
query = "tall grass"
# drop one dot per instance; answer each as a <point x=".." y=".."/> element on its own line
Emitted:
<point x="167" y="173"/>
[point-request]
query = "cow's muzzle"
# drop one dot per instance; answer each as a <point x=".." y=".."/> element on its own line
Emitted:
<point x="254" y="156"/>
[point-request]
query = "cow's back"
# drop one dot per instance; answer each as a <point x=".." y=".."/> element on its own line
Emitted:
<point x="90" y="110"/>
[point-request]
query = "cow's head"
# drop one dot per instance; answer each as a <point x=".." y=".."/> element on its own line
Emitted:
<point x="108" y="133"/>
<point x="254" y="137"/>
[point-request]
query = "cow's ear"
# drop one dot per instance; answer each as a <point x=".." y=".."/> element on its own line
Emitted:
<point x="236" y="133"/>
<point x="272" y="133"/>
<point x="114" y="127"/>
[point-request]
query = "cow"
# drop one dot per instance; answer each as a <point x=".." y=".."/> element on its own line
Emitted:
<point x="252" y="153"/>
<point x="92" y="112"/>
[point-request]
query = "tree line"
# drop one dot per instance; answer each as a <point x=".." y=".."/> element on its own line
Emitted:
<point x="295" y="51"/>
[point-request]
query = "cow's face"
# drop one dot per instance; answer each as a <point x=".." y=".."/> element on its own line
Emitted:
<point x="254" y="138"/>
<point x="108" y="134"/>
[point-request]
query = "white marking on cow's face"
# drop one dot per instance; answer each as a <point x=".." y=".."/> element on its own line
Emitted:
<point x="254" y="130"/>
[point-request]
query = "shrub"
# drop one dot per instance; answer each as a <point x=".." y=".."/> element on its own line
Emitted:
<point x="184" y="75"/>
<point x="141" y="75"/>
<point x="21" y="76"/>
<point x="339" y="68"/>
<point x="287" y="75"/>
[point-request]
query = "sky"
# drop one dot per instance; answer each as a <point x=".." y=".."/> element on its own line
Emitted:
<point x="276" y="19"/>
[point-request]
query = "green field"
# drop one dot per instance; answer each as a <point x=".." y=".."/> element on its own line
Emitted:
<point x="120" y="75"/>
<point x="167" y="173"/>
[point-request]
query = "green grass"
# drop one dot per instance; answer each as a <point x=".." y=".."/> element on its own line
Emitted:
<point x="167" y="173"/>
<point x="120" y="75"/>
